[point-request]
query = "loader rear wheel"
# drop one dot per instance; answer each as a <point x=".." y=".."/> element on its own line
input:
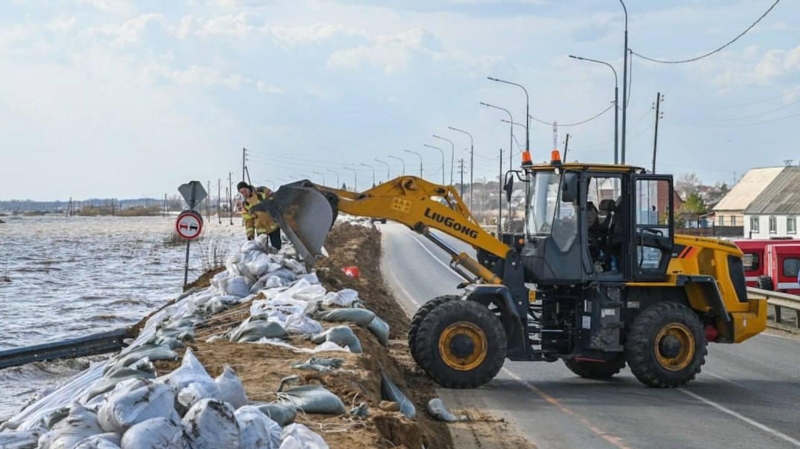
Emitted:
<point x="666" y="345"/>
<point x="422" y="312"/>
<point x="461" y="344"/>
<point x="597" y="370"/>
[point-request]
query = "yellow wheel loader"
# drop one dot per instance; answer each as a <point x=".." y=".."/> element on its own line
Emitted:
<point x="597" y="279"/>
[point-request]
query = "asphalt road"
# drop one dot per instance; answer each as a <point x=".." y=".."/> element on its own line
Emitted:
<point x="747" y="396"/>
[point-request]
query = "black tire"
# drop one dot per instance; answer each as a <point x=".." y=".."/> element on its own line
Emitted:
<point x="488" y="349"/>
<point x="765" y="283"/>
<point x="597" y="370"/>
<point x="422" y="312"/>
<point x="650" y="361"/>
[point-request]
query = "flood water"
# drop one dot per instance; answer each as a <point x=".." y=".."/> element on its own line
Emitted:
<point x="71" y="277"/>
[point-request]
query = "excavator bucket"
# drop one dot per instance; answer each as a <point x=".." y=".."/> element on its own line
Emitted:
<point x="304" y="214"/>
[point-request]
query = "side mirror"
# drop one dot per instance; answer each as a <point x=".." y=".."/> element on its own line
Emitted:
<point x="509" y="187"/>
<point x="569" y="187"/>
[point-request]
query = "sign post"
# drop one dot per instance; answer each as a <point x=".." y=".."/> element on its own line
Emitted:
<point x="190" y="223"/>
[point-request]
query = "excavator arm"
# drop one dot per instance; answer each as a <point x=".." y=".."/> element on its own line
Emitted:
<point x="412" y="201"/>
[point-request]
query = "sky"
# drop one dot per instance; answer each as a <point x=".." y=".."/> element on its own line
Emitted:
<point x="124" y="99"/>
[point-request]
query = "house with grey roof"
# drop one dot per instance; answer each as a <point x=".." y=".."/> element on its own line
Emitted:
<point x="774" y="212"/>
<point x="729" y="211"/>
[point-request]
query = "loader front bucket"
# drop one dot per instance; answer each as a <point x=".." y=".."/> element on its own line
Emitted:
<point x="304" y="214"/>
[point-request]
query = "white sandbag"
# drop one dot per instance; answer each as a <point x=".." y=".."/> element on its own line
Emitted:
<point x="341" y="335"/>
<point x="298" y="323"/>
<point x="362" y="317"/>
<point x="254" y="330"/>
<point x="257" y="430"/>
<point x="313" y="399"/>
<point x="311" y="278"/>
<point x="211" y="424"/>
<point x="27" y="439"/>
<point x="310" y="293"/>
<point x="156" y="433"/>
<point x="191" y="370"/>
<point x="380" y="329"/>
<point x="195" y="392"/>
<point x="230" y="388"/>
<point x="256" y="263"/>
<point x="236" y="286"/>
<point x="124" y="409"/>
<point x="250" y="246"/>
<point x="103" y="441"/>
<point x="294" y="265"/>
<point x="298" y="436"/>
<point x="220" y="278"/>
<point x="345" y="298"/>
<point x="329" y="346"/>
<point x="67" y="433"/>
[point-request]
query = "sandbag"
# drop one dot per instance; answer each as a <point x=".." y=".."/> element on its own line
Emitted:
<point x="236" y="286"/>
<point x="310" y="293"/>
<point x="257" y="430"/>
<point x="280" y="413"/>
<point x="313" y="399"/>
<point x="156" y="433"/>
<point x="153" y="352"/>
<point x="103" y="441"/>
<point x="437" y="409"/>
<point x="110" y="381"/>
<point x="298" y="323"/>
<point x="320" y="364"/>
<point x="211" y="424"/>
<point x="67" y="433"/>
<point x="256" y="263"/>
<point x="341" y="335"/>
<point x="390" y="392"/>
<point x="195" y="392"/>
<point x="362" y="317"/>
<point x="380" y="329"/>
<point x="310" y="278"/>
<point x="253" y="330"/>
<point x="20" y="439"/>
<point x="344" y="298"/>
<point x="230" y="388"/>
<point x="295" y="266"/>
<point x="298" y="436"/>
<point x="191" y="370"/>
<point x="123" y="409"/>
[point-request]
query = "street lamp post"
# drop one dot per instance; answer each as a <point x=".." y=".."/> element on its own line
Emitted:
<point x="404" y="164"/>
<point x="441" y="151"/>
<point x="616" y="103"/>
<point x="355" y="178"/>
<point x="510" y="151"/>
<point x="321" y="174"/>
<point x="624" y="82"/>
<point x="471" y="161"/>
<point x="420" y="161"/>
<point x="388" y="169"/>
<point x="373" y="172"/>
<point x="452" y="155"/>
<point x="338" y="186"/>
<point x="527" y="111"/>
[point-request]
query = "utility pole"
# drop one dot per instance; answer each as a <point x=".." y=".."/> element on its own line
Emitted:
<point x="244" y="163"/>
<point x="500" y="199"/>
<point x="219" y="200"/>
<point x="166" y="207"/>
<point x="659" y="99"/>
<point x="230" y="196"/>
<point x="566" y="147"/>
<point x="624" y="82"/>
<point x="461" y="170"/>
<point x="208" y="200"/>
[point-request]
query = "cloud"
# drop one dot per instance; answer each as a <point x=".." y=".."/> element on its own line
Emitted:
<point x="265" y="87"/>
<point x="110" y="6"/>
<point x="291" y="36"/>
<point x="757" y="67"/>
<point x="129" y="32"/>
<point x="61" y="24"/>
<point x="231" y="25"/>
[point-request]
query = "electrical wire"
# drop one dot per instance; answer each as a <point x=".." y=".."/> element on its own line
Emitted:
<point x="760" y="114"/>
<point x="683" y="61"/>
<point x="576" y="123"/>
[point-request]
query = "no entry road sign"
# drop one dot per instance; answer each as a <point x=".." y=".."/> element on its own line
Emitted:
<point x="189" y="225"/>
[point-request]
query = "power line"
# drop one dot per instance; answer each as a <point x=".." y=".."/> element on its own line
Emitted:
<point x="760" y="114"/>
<point x="576" y="123"/>
<point x="683" y="61"/>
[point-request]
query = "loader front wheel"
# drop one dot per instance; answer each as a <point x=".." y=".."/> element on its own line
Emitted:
<point x="422" y="312"/>
<point x="597" y="370"/>
<point x="461" y="344"/>
<point x="666" y="345"/>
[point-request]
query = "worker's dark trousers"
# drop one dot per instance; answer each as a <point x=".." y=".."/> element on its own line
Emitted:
<point x="275" y="239"/>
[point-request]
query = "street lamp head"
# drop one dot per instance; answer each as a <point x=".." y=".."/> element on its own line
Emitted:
<point x="493" y="79"/>
<point x="575" y="57"/>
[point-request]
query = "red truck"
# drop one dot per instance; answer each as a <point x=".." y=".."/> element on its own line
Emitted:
<point x="771" y="264"/>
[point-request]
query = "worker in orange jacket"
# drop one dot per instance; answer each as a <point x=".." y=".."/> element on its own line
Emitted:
<point x="256" y="223"/>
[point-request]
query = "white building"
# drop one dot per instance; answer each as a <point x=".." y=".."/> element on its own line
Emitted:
<point x="730" y="210"/>
<point x="774" y="212"/>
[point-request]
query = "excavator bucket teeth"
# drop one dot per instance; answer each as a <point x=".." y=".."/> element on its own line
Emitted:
<point x="304" y="214"/>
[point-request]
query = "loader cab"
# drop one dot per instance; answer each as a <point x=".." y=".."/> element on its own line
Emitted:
<point x="596" y="223"/>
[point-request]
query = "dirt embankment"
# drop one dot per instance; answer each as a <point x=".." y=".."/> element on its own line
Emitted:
<point x="261" y="367"/>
